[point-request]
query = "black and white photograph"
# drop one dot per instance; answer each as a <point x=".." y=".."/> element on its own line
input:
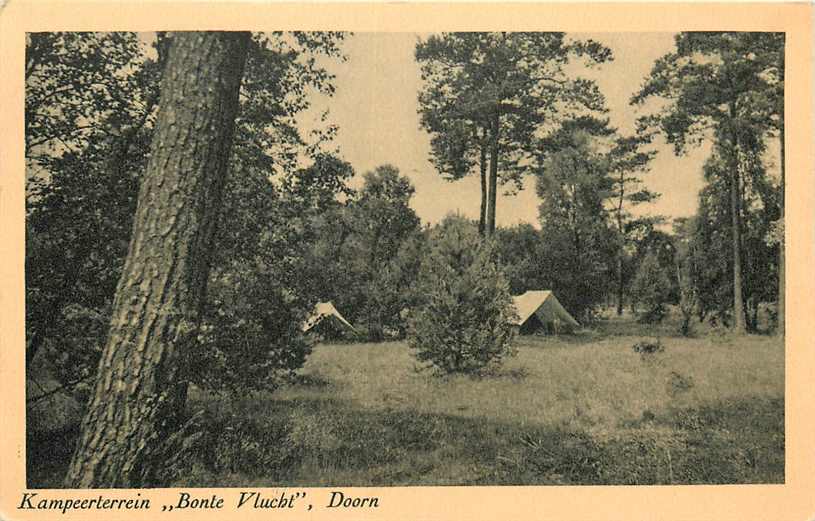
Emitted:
<point x="397" y="259"/>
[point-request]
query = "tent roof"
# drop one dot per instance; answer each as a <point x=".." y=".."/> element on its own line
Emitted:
<point x="531" y="301"/>
<point x="322" y="310"/>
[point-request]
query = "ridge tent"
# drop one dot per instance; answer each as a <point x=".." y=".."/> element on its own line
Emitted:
<point x="323" y="311"/>
<point x="541" y="310"/>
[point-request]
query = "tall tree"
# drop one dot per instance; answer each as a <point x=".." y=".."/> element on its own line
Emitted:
<point x="487" y="95"/>
<point x="381" y="221"/>
<point x="759" y="209"/>
<point x="574" y="185"/>
<point x="712" y="82"/>
<point x="627" y="162"/>
<point x="138" y="397"/>
<point x="768" y="54"/>
<point x="684" y="229"/>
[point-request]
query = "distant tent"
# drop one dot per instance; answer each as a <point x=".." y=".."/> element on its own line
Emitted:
<point x="325" y="312"/>
<point x="540" y="310"/>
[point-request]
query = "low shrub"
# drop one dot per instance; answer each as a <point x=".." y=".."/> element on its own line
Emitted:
<point x="648" y="347"/>
<point x="678" y="384"/>
<point x="231" y="444"/>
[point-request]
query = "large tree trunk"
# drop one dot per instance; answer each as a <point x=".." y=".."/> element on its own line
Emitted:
<point x="739" y="324"/>
<point x="734" y="163"/>
<point x="141" y="389"/>
<point x="493" y="180"/>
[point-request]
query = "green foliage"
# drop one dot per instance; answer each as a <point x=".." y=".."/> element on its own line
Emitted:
<point x="504" y="89"/>
<point x="462" y="324"/>
<point x="283" y="70"/>
<point x="90" y="106"/>
<point x="520" y="250"/>
<point x="729" y="87"/>
<point x="367" y="251"/>
<point x="250" y="337"/>
<point x="393" y="293"/>
<point x="579" y="254"/>
<point x="712" y="248"/>
<point x="87" y="140"/>
<point x="723" y="82"/>
<point x="261" y="287"/>
<point x="652" y="289"/>
<point x="76" y="84"/>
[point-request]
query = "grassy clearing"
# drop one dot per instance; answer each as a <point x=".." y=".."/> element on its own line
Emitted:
<point x="571" y="410"/>
<point x="581" y="409"/>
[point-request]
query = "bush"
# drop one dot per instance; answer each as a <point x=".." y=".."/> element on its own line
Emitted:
<point x="250" y="337"/>
<point x="462" y="324"/>
<point x="648" y="347"/>
<point x="651" y="288"/>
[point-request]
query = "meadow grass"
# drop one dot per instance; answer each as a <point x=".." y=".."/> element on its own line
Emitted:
<point x="580" y="409"/>
<point x="570" y="409"/>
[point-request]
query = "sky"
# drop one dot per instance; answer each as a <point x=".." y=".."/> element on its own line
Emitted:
<point x="375" y="107"/>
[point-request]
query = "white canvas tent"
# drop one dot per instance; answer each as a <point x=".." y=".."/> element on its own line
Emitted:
<point x="322" y="311"/>
<point x="542" y="309"/>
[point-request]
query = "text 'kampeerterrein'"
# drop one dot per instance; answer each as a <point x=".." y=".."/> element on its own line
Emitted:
<point x="32" y="501"/>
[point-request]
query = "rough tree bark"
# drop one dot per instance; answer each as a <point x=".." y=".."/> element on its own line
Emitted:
<point x="140" y="388"/>
<point x="739" y="323"/>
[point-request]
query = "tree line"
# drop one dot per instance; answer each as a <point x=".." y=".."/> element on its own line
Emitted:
<point x="504" y="103"/>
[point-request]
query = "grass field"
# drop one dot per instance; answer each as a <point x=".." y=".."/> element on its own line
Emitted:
<point x="580" y="409"/>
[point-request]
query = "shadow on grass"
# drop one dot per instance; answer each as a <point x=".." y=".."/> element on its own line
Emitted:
<point x="325" y="441"/>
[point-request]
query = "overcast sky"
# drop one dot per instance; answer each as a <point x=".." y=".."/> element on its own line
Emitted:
<point x="376" y="105"/>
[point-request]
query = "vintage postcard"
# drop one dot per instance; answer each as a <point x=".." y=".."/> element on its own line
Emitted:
<point x="406" y="261"/>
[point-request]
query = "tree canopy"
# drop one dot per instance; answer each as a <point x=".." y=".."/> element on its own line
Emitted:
<point x="722" y="86"/>
<point x="493" y="94"/>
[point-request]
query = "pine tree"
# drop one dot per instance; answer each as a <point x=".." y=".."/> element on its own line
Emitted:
<point x="463" y="324"/>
